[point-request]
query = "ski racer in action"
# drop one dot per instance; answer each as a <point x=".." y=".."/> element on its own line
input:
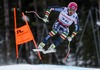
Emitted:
<point x="66" y="17"/>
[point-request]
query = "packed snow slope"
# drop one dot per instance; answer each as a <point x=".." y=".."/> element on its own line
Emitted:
<point x="42" y="67"/>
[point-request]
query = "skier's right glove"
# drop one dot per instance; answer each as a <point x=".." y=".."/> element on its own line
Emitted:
<point x="45" y="19"/>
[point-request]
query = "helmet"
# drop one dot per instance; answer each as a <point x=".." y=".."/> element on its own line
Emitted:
<point x="73" y="5"/>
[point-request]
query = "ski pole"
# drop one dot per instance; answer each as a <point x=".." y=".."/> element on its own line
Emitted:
<point x="67" y="52"/>
<point x="34" y="13"/>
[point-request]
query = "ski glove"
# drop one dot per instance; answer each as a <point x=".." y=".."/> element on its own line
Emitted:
<point x="45" y="20"/>
<point x="69" y="39"/>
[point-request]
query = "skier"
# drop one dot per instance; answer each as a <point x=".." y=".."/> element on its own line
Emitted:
<point x="67" y="16"/>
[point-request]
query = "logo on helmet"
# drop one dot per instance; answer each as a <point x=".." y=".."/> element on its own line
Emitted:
<point x="73" y="7"/>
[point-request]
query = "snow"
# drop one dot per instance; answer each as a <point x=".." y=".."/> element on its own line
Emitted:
<point x="42" y="67"/>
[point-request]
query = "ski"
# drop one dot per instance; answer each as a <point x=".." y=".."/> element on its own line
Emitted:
<point x="43" y="51"/>
<point x="36" y="50"/>
<point x="49" y="51"/>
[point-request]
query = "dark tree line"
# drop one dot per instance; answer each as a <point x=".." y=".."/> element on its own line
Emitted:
<point x="83" y="52"/>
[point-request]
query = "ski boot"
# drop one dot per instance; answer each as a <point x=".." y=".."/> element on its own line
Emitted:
<point x="40" y="47"/>
<point x="51" y="49"/>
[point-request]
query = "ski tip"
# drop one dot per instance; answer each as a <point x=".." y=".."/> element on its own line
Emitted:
<point x="47" y="52"/>
<point x="36" y="50"/>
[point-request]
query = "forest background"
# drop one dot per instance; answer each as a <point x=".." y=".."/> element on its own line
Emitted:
<point x="85" y="47"/>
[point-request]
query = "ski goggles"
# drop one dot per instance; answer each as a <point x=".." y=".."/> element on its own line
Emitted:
<point x="71" y="10"/>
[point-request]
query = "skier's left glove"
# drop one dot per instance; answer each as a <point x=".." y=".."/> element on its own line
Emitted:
<point x="69" y="38"/>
